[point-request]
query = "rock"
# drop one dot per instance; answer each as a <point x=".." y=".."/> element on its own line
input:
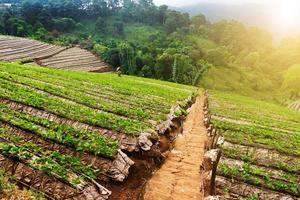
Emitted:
<point x="210" y="159"/>
<point x="163" y="127"/>
<point x="212" y="155"/>
<point x="221" y="140"/>
<point x="99" y="193"/>
<point x="213" y="198"/>
<point x="145" y="142"/>
<point x="120" y="167"/>
<point x="206" y="120"/>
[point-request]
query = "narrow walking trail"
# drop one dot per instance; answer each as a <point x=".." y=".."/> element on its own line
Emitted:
<point x="180" y="177"/>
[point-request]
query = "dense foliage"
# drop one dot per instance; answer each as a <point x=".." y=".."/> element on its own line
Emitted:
<point x="291" y="82"/>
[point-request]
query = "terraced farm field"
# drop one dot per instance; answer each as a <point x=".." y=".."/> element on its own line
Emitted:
<point x="46" y="55"/>
<point x="78" y="135"/>
<point x="261" y="152"/>
<point x="295" y="105"/>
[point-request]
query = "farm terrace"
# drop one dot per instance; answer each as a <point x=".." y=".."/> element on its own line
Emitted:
<point x="261" y="158"/>
<point x="78" y="131"/>
<point x="47" y="55"/>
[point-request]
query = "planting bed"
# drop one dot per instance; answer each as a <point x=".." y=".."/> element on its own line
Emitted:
<point x="295" y="105"/>
<point x="77" y="135"/>
<point x="9" y="190"/>
<point x="34" y="52"/>
<point x="261" y="152"/>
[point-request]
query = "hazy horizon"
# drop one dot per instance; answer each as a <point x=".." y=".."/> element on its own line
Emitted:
<point x="192" y="2"/>
<point x="279" y="17"/>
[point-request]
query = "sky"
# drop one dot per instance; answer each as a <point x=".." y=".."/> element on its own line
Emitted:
<point x="191" y="2"/>
<point x="280" y="17"/>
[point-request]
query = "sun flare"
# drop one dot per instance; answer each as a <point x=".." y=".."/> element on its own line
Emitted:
<point x="287" y="13"/>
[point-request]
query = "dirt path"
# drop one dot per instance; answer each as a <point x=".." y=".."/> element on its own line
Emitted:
<point x="180" y="177"/>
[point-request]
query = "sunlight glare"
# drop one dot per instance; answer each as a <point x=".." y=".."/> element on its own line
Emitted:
<point x="287" y="13"/>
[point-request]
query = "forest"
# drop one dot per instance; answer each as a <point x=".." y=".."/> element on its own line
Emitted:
<point x="157" y="42"/>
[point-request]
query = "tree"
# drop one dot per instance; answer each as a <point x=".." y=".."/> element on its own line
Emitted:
<point x="114" y="5"/>
<point x="219" y="56"/>
<point x="31" y="10"/>
<point x="101" y="25"/>
<point x="127" y="12"/>
<point x="146" y="71"/>
<point x="64" y="24"/>
<point x="291" y="82"/>
<point x="198" y="20"/>
<point x="176" y="20"/>
<point x="163" y="66"/>
<point x="127" y="58"/>
<point x="162" y="14"/>
<point x="145" y="3"/>
<point x="202" y="66"/>
<point x="17" y="27"/>
<point x="118" y="28"/>
<point x="99" y="8"/>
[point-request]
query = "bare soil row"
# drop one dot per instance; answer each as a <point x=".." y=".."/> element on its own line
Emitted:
<point x="53" y="56"/>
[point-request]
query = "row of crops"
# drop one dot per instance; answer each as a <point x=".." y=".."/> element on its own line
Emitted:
<point x="261" y="154"/>
<point x="66" y="134"/>
<point x="9" y="190"/>
<point x="295" y="105"/>
<point x="35" y="52"/>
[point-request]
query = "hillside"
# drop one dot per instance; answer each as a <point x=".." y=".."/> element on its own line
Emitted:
<point x="157" y="42"/>
<point x="71" y="130"/>
<point x="34" y="52"/>
<point x="196" y="107"/>
<point x="261" y="158"/>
